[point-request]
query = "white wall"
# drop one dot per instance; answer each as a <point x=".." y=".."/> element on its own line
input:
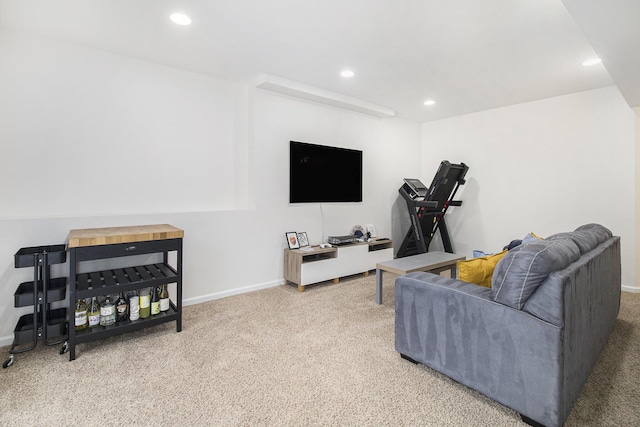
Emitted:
<point x="636" y="112"/>
<point x="116" y="134"/>
<point x="232" y="163"/>
<point x="546" y="166"/>
<point x="388" y="147"/>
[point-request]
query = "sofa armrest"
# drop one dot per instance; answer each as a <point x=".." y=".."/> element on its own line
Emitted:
<point x="456" y="328"/>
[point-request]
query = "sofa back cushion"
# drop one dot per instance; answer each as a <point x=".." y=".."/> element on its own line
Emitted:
<point x="584" y="240"/>
<point x="586" y="237"/>
<point x="524" y="268"/>
<point x="601" y="233"/>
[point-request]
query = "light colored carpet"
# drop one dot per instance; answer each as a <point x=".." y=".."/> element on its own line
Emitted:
<point x="277" y="357"/>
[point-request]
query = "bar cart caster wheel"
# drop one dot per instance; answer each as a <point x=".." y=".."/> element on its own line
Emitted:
<point x="8" y="363"/>
<point x="64" y="348"/>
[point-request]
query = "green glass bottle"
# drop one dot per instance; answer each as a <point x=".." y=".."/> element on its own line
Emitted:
<point x="164" y="298"/>
<point x="145" y="303"/>
<point x="81" y="320"/>
<point x="155" y="302"/>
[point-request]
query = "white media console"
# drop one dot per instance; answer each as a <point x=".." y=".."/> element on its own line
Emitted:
<point x="305" y="267"/>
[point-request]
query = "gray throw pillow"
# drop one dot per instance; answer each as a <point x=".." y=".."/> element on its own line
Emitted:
<point x="524" y="268"/>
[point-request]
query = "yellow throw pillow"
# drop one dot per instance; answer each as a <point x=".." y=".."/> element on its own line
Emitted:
<point x="479" y="270"/>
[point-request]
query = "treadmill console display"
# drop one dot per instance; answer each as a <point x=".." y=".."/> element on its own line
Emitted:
<point x="416" y="187"/>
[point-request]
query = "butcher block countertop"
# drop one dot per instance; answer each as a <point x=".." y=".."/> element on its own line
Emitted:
<point x="112" y="235"/>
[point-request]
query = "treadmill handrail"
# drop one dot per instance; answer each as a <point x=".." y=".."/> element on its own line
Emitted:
<point x="432" y="204"/>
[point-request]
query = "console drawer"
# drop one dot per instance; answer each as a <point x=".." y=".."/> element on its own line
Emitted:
<point x="86" y="253"/>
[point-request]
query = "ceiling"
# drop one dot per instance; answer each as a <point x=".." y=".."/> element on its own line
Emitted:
<point x="467" y="55"/>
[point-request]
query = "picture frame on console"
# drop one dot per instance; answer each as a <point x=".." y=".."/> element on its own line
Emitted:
<point x="371" y="230"/>
<point x="303" y="240"/>
<point x="292" y="240"/>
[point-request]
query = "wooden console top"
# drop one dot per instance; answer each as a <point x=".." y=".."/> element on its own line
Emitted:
<point x="112" y="235"/>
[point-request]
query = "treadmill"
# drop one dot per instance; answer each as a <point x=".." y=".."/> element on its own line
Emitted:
<point x="428" y="206"/>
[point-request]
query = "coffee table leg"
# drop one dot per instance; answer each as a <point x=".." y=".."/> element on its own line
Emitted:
<point x="378" y="286"/>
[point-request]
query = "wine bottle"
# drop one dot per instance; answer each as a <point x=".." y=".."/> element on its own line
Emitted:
<point x="164" y="298"/>
<point x="107" y="312"/>
<point x="134" y="305"/>
<point x="81" y="314"/>
<point x="155" y="301"/>
<point x="94" y="313"/>
<point x="121" y="308"/>
<point x="145" y="303"/>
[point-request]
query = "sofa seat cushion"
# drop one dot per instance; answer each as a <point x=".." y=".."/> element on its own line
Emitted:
<point x="479" y="270"/>
<point x="525" y="267"/>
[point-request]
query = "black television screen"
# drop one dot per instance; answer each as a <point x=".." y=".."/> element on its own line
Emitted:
<point x="318" y="173"/>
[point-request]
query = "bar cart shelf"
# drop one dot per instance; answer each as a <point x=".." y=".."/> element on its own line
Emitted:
<point x="46" y="323"/>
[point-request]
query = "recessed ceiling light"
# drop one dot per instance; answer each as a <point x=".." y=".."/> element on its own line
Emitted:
<point x="180" y="19"/>
<point x="347" y="73"/>
<point x="429" y="102"/>
<point x="592" y="61"/>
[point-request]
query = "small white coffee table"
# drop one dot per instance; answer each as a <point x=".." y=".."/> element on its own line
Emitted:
<point x="432" y="262"/>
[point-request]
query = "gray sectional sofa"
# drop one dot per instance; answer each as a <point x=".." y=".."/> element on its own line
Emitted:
<point x="531" y="340"/>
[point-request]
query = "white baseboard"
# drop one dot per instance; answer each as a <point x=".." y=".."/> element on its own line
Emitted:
<point x="632" y="289"/>
<point x="6" y="341"/>
<point x="223" y="294"/>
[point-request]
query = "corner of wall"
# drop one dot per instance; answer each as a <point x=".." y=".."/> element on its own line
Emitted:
<point x="636" y="111"/>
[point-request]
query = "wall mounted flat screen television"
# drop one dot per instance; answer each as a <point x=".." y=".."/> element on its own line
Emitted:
<point x="319" y="173"/>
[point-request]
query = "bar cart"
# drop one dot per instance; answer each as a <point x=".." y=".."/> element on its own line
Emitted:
<point x="49" y="324"/>
<point x="121" y="245"/>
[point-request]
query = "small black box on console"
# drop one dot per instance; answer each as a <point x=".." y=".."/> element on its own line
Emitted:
<point x="342" y="240"/>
